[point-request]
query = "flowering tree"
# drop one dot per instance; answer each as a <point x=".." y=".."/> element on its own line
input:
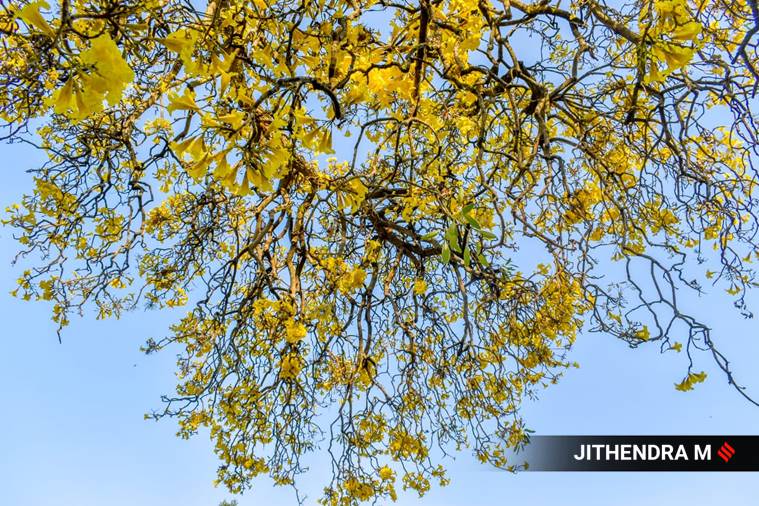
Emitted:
<point x="494" y="161"/>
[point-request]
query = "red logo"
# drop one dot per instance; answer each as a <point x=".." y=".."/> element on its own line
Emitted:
<point x="726" y="452"/>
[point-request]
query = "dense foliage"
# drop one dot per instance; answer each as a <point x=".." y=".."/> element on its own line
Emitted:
<point x="388" y="220"/>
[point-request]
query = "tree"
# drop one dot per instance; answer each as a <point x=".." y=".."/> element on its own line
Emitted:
<point x="397" y="301"/>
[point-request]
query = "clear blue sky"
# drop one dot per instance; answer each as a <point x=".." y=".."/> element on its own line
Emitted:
<point x="72" y="431"/>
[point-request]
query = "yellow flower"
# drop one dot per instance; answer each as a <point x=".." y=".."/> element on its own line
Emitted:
<point x="112" y="73"/>
<point x="643" y="334"/>
<point x="185" y="102"/>
<point x="294" y="332"/>
<point x="688" y="31"/>
<point x="30" y="15"/>
<point x="290" y="366"/>
<point x="373" y="249"/>
<point x="351" y="195"/>
<point x="117" y="283"/>
<point x="690" y="380"/>
<point x="420" y="287"/>
<point x="325" y="144"/>
<point x="64" y="97"/>
<point x="385" y="473"/>
<point x="352" y="280"/>
<point x="181" y="41"/>
<point x="106" y="75"/>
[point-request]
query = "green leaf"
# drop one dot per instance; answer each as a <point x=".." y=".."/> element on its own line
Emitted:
<point x="429" y="236"/>
<point x="467" y="257"/>
<point x="483" y="260"/>
<point x="488" y="235"/>
<point x="474" y="223"/>
<point x="446" y="253"/>
<point x="452" y="236"/>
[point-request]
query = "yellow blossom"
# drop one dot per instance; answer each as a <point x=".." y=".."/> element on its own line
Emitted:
<point x="294" y="332"/>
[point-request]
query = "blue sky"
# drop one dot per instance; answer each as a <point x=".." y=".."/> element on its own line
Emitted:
<point x="72" y="428"/>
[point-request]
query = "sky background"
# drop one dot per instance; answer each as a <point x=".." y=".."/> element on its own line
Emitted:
<point x="72" y="430"/>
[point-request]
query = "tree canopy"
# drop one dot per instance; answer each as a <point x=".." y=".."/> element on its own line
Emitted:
<point x="387" y="220"/>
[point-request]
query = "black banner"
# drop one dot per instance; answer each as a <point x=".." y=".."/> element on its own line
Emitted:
<point x="641" y="453"/>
